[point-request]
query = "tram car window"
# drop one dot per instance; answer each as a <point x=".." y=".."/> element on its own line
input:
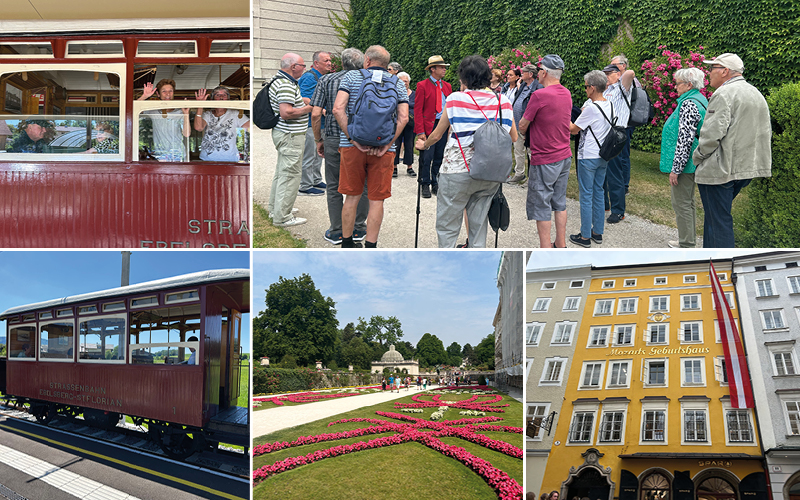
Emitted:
<point x="102" y="339"/>
<point x="22" y="342"/>
<point x="55" y="340"/>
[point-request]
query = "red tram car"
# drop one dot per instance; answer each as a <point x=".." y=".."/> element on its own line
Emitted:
<point x="112" y="169"/>
<point x="165" y="353"/>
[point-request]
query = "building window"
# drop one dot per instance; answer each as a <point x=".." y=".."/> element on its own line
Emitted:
<point x="630" y="282"/>
<point x="690" y="302"/>
<point x="611" y="428"/>
<point x="793" y="416"/>
<point x="728" y="300"/>
<point x="659" y="304"/>
<point x="563" y="333"/>
<point x="549" y="285"/>
<point x="660" y="280"/>
<point x="552" y="371"/>
<point x="658" y="334"/>
<point x="694" y="425"/>
<point x="764" y="288"/>
<point x="627" y="306"/>
<point x="773" y="319"/>
<point x="739" y="429"/>
<point x="693" y="371"/>
<point x="571" y="303"/>
<point x="618" y="376"/>
<point x="537" y="412"/>
<point x="592" y="373"/>
<point x="653" y="429"/>
<point x="541" y="305"/>
<point x="603" y="307"/>
<point x="598" y="337"/>
<point x="581" y="431"/>
<point x="624" y="335"/>
<point x="608" y="284"/>
<point x="690" y="278"/>
<point x="794" y="284"/>
<point x="691" y="332"/>
<point x="655" y="372"/>
<point x="576" y="284"/>
<point x="534" y="332"/>
<point x="783" y="363"/>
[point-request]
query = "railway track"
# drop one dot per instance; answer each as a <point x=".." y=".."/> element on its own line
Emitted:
<point x="227" y="461"/>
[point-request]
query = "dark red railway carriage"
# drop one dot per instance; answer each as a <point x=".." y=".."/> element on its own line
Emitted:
<point x="166" y="353"/>
<point x="113" y="170"/>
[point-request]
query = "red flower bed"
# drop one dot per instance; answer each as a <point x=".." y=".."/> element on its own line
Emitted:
<point x="303" y="397"/>
<point x="472" y="403"/>
<point x="506" y="487"/>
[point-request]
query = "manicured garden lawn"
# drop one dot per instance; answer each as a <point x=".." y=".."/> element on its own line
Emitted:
<point x="264" y="405"/>
<point x="244" y="384"/>
<point x="395" y="472"/>
<point x="265" y="235"/>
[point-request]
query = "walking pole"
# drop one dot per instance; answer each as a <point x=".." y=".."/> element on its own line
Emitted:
<point x="419" y="194"/>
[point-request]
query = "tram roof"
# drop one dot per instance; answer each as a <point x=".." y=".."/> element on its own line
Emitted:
<point x="185" y="280"/>
<point x="155" y="9"/>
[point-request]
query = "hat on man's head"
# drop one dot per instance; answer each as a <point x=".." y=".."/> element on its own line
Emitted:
<point x="528" y="68"/>
<point x="552" y="61"/>
<point x="611" y="68"/>
<point x="728" y="60"/>
<point x="435" y="61"/>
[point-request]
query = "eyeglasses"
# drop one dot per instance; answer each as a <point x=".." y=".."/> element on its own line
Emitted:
<point x="298" y="64"/>
<point x="717" y="67"/>
<point x="587" y="86"/>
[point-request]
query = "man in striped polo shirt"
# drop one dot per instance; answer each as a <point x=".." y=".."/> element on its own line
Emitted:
<point x="289" y="138"/>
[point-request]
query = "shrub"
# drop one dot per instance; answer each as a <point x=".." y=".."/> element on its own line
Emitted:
<point x="268" y="380"/>
<point x="481" y="380"/>
<point x="772" y="218"/>
<point x="513" y="58"/>
<point x="332" y="365"/>
<point x="289" y="361"/>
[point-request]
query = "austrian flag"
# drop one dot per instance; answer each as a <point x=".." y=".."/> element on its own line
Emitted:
<point x="735" y="362"/>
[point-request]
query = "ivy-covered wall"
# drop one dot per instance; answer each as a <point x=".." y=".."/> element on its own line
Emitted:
<point x="764" y="33"/>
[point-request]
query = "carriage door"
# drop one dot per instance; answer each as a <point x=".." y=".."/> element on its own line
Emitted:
<point x="233" y="372"/>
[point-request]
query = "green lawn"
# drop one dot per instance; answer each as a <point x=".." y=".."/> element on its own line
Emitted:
<point x="398" y="472"/>
<point x="265" y="235"/>
<point x="244" y="384"/>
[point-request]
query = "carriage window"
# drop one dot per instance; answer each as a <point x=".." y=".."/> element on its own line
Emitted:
<point x="26" y="49"/>
<point x="45" y="315"/>
<point x="182" y="296"/>
<point x="71" y="113"/>
<point x="94" y="49"/>
<point x="87" y="309"/>
<point x="64" y="313"/>
<point x="113" y="306"/>
<point x="103" y="339"/>
<point x="230" y="48"/>
<point x="144" y="301"/>
<point x="165" y="335"/>
<point x="56" y="340"/>
<point x="28" y="317"/>
<point x="22" y="342"/>
<point x="166" y="48"/>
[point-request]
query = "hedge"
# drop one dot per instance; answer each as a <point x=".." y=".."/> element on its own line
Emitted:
<point x="584" y="33"/>
<point x="269" y="380"/>
<point x="772" y="218"/>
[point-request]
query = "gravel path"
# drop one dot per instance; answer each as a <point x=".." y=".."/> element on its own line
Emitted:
<point x="397" y="230"/>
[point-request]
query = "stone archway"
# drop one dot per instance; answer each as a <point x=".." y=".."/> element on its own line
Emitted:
<point x="716" y="484"/>
<point x="590" y="479"/>
<point x="791" y="488"/>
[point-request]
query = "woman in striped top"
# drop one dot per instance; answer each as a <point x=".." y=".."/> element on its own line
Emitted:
<point x="464" y="112"/>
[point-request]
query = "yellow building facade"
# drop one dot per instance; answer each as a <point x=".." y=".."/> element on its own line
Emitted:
<point x="647" y="412"/>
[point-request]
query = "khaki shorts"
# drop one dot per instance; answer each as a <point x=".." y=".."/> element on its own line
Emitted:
<point x="357" y="167"/>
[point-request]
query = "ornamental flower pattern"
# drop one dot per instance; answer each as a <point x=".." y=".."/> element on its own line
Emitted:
<point x="478" y="402"/>
<point x="412" y="429"/>
<point x="303" y="397"/>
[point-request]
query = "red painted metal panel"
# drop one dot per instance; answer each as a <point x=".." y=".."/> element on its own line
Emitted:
<point x="161" y="392"/>
<point x="124" y="205"/>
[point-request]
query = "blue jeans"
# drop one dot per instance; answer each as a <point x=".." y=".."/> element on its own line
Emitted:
<point x="718" y="221"/>
<point x="591" y="174"/>
<point x="617" y="176"/>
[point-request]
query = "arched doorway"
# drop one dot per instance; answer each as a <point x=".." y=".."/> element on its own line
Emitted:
<point x="715" y="488"/>
<point x="655" y="487"/>
<point x="589" y="483"/>
<point x="791" y="490"/>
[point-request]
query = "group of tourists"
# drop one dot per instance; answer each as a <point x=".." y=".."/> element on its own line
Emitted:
<point x="395" y="383"/>
<point x="364" y="114"/>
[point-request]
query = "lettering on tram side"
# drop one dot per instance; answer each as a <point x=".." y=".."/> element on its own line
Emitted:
<point x="213" y="226"/>
<point x="714" y="463"/>
<point x="79" y="393"/>
<point x="654" y="351"/>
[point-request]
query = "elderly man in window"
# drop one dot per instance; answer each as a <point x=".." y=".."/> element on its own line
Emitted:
<point x="32" y="136"/>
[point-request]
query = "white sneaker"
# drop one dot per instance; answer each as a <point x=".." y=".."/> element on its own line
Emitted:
<point x="293" y="221"/>
<point x="294" y="211"/>
<point x="674" y="244"/>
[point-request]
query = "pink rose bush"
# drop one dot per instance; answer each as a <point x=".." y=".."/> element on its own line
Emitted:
<point x="657" y="77"/>
<point x="411" y="429"/>
<point x="515" y="58"/>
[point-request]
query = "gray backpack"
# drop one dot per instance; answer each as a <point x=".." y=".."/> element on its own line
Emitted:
<point x="492" y="160"/>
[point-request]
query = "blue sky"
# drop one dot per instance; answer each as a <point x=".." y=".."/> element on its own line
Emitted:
<point x="36" y="276"/>
<point x="543" y="259"/>
<point x="450" y="294"/>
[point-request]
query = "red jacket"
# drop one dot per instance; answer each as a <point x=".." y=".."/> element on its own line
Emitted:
<point x="425" y="105"/>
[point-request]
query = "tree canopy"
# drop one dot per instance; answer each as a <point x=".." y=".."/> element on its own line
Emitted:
<point x="298" y="321"/>
<point x="468" y="354"/>
<point x="485" y="351"/>
<point x="385" y="331"/>
<point x="430" y="351"/>
<point x="454" y="354"/>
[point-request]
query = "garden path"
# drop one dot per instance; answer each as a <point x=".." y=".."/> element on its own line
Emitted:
<point x="282" y="417"/>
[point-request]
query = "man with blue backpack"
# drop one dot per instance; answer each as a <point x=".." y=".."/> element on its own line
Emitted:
<point x="372" y="109"/>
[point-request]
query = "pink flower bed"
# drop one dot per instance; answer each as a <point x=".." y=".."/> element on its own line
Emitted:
<point x="506" y="487"/>
<point x="304" y="397"/>
<point x="472" y="403"/>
